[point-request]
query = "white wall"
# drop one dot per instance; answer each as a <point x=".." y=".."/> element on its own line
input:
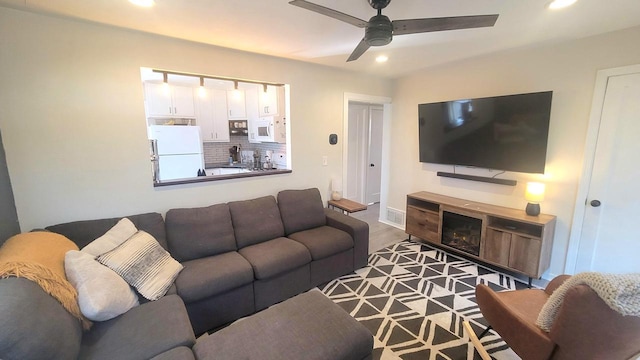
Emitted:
<point x="569" y="69"/>
<point x="72" y="118"/>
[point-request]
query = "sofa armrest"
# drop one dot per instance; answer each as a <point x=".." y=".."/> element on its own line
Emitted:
<point x="141" y="333"/>
<point x="359" y="231"/>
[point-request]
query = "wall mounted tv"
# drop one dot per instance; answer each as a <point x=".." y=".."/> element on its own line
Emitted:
<point x="501" y="132"/>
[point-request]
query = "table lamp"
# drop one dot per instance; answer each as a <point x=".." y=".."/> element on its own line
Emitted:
<point x="336" y="189"/>
<point x="534" y="195"/>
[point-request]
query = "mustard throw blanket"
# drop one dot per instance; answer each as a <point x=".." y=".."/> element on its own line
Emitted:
<point x="39" y="257"/>
<point x="621" y="292"/>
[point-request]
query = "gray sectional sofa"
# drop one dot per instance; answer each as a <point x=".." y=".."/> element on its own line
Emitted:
<point x="239" y="258"/>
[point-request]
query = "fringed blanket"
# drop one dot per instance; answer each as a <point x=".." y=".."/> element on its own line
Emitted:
<point x="39" y="257"/>
<point x="621" y="292"/>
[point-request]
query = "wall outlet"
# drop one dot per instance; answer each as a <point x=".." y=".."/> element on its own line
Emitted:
<point x="325" y="161"/>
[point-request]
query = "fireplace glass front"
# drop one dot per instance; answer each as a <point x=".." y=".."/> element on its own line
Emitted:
<point x="461" y="232"/>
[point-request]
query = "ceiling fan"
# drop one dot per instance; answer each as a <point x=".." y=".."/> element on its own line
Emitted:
<point x="379" y="30"/>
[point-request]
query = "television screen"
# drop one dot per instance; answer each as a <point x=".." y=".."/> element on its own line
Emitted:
<point x="502" y="132"/>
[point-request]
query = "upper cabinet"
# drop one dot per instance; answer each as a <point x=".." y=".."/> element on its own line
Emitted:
<point x="252" y="115"/>
<point x="169" y="100"/>
<point x="212" y="115"/>
<point x="236" y="105"/>
<point x="268" y="101"/>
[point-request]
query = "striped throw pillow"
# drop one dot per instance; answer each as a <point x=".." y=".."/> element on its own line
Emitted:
<point x="144" y="264"/>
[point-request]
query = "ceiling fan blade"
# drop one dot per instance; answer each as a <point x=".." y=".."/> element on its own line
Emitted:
<point x="360" y="49"/>
<point x="330" y="12"/>
<point x="402" y="27"/>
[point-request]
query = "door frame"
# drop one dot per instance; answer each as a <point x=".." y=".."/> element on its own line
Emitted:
<point x="386" y="140"/>
<point x="597" y="104"/>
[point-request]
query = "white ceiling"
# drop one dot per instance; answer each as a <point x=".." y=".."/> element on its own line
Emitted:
<point x="276" y="28"/>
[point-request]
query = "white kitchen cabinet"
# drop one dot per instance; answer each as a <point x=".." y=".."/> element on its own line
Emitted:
<point x="236" y="105"/>
<point x="212" y="115"/>
<point x="268" y="101"/>
<point x="253" y="115"/>
<point x="169" y="100"/>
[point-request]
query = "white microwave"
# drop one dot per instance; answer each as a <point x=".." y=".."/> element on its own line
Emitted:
<point x="269" y="129"/>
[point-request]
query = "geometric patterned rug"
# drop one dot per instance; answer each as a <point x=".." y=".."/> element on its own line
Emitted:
<point x="414" y="297"/>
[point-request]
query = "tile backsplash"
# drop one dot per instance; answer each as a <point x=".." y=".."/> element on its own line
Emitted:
<point x="218" y="153"/>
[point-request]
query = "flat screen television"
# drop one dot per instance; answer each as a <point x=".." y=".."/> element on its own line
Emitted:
<point x="502" y="132"/>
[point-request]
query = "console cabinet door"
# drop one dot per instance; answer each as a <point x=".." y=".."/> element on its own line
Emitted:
<point x="423" y="224"/>
<point x="497" y="247"/>
<point x="525" y="254"/>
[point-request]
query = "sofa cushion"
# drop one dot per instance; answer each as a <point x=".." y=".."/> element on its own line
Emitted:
<point x="41" y="330"/>
<point x="274" y="257"/>
<point x="308" y="326"/>
<point x="301" y="209"/>
<point x="118" y="234"/>
<point x="212" y="275"/>
<point x="199" y="232"/>
<point x="141" y="333"/>
<point x="144" y="264"/>
<point x="256" y="220"/>
<point x="324" y="241"/>
<point x="84" y="232"/>
<point x="179" y="353"/>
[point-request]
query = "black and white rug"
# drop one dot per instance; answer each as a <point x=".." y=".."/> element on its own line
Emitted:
<point x="414" y="297"/>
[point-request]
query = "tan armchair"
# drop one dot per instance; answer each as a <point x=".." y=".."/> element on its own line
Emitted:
<point x="585" y="328"/>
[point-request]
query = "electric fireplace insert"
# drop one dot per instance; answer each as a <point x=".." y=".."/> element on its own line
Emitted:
<point x="461" y="232"/>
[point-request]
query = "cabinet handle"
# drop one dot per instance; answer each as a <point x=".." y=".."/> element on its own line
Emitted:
<point x="175" y="110"/>
<point x="170" y="110"/>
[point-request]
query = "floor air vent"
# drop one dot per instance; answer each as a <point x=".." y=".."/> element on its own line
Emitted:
<point x="395" y="216"/>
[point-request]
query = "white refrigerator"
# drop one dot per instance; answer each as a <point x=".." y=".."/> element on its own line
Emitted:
<point x="179" y="151"/>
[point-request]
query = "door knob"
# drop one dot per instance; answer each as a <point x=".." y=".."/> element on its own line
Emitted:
<point x="595" y="203"/>
<point x="371" y="165"/>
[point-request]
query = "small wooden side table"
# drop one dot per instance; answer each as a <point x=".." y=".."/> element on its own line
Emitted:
<point x="346" y="205"/>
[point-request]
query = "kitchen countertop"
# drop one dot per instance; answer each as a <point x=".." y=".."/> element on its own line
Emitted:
<point x="234" y="166"/>
<point x="200" y="179"/>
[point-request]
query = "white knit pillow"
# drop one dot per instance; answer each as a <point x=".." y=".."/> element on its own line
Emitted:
<point x="144" y="264"/>
<point x="102" y="294"/>
<point x="118" y="234"/>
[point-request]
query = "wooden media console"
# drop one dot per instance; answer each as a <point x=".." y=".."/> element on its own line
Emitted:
<point x="503" y="237"/>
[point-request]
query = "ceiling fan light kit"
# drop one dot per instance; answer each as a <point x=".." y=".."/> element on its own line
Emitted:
<point x="379" y="30"/>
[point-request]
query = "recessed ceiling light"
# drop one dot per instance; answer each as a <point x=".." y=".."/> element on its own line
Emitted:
<point x="145" y="3"/>
<point x="382" y="58"/>
<point x="559" y="4"/>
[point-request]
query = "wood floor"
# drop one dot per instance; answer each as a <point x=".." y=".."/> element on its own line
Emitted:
<point x="380" y="235"/>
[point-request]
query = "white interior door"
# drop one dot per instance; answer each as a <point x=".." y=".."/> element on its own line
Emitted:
<point x="357" y="153"/>
<point x="374" y="168"/>
<point x="609" y="239"/>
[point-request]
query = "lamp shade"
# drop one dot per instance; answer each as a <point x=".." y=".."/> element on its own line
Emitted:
<point x="336" y="184"/>
<point x="535" y="192"/>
